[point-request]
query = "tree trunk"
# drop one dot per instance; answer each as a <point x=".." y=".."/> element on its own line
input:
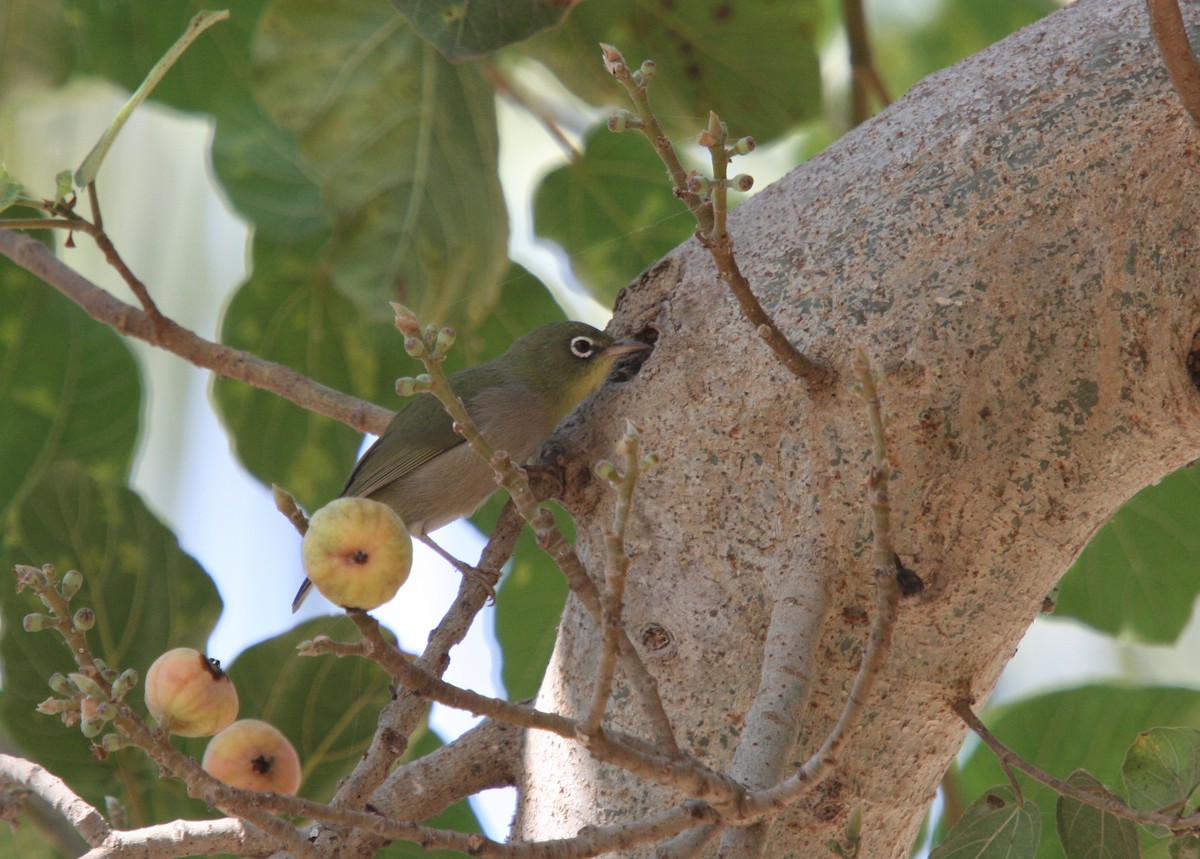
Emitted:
<point x="1012" y="243"/>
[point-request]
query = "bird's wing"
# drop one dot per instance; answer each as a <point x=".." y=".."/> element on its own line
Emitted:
<point x="419" y="432"/>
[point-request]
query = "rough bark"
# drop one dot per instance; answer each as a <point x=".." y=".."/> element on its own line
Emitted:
<point x="1013" y="244"/>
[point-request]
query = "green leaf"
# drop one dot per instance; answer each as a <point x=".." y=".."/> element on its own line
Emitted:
<point x="1162" y="768"/>
<point x="34" y="49"/>
<point x="528" y="609"/>
<point x="404" y="148"/>
<point x="754" y="62"/>
<point x="1184" y="847"/>
<point x="289" y="312"/>
<point x="69" y="387"/>
<point x="12" y="192"/>
<point x="461" y="29"/>
<point x="255" y="160"/>
<point x="1088" y="727"/>
<point x="994" y="826"/>
<point x="612" y="211"/>
<point x="529" y="604"/>
<point x="1089" y="833"/>
<point x="1137" y="577"/>
<point x="148" y="596"/>
<point x="525" y="304"/>
<point x="328" y="707"/>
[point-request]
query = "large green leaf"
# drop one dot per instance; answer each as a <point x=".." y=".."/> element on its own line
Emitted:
<point x="1086" y="832"/>
<point x="1089" y="727"/>
<point x="1162" y="769"/>
<point x="529" y="605"/>
<point x="1137" y="577"/>
<point x="753" y="62"/>
<point x="328" y="707"/>
<point x="255" y="160"/>
<point x="69" y="387"/>
<point x="148" y="596"/>
<point x="461" y="29"/>
<point x="995" y="826"/>
<point x="524" y="304"/>
<point x="404" y="147"/>
<point x="288" y="311"/>
<point x="612" y="211"/>
<point x="33" y="45"/>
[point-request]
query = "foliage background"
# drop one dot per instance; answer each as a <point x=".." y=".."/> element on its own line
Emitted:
<point x="365" y="165"/>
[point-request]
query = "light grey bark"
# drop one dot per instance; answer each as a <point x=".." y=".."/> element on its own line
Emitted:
<point x="1013" y="243"/>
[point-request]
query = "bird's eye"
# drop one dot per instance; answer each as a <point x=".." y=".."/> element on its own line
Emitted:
<point x="583" y="347"/>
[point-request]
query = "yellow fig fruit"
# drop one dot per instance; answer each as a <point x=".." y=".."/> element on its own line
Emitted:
<point x="188" y="694"/>
<point x="357" y="552"/>
<point x="253" y="755"/>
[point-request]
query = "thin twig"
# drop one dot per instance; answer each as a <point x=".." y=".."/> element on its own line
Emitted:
<point x="616" y="570"/>
<point x="1110" y="804"/>
<point x="114" y="259"/>
<point x="1166" y="23"/>
<point x="505" y="87"/>
<point x="35" y="258"/>
<point x="865" y="80"/>
<point x="719" y="246"/>
<point x="685" y="774"/>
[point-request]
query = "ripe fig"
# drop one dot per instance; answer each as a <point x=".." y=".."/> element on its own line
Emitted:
<point x="188" y="694"/>
<point x="357" y="552"/>
<point x="253" y="755"/>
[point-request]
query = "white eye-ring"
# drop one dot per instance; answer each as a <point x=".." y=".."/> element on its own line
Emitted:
<point x="583" y="347"/>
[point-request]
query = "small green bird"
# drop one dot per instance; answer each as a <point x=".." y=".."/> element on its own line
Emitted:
<point x="424" y="470"/>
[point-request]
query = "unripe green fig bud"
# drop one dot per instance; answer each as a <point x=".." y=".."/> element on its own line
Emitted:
<point x="113" y="743"/>
<point x="188" y="694"/>
<point x="84" y="619"/>
<point x="253" y="755"/>
<point x="87" y="686"/>
<point x="744" y="146"/>
<point x="35" y="622"/>
<point x="357" y="552"/>
<point x="72" y="581"/>
<point x="126" y="681"/>
<point x="91" y="727"/>
<point x="60" y="684"/>
<point x="406" y="320"/>
<point x="445" y="339"/>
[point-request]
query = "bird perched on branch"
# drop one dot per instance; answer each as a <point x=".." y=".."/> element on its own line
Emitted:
<point x="425" y="471"/>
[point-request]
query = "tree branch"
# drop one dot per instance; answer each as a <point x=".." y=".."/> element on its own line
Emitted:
<point x="230" y="363"/>
<point x="1166" y="23"/>
<point x="89" y="822"/>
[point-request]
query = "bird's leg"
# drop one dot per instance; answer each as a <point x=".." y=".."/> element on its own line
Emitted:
<point x="484" y="577"/>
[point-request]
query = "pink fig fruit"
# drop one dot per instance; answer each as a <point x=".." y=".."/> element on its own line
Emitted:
<point x="188" y="694"/>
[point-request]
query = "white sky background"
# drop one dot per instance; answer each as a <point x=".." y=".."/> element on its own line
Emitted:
<point x="182" y="239"/>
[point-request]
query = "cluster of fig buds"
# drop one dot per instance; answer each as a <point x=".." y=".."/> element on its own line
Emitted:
<point x="90" y="698"/>
<point x="430" y="344"/>
<point x="87" y="697"/>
